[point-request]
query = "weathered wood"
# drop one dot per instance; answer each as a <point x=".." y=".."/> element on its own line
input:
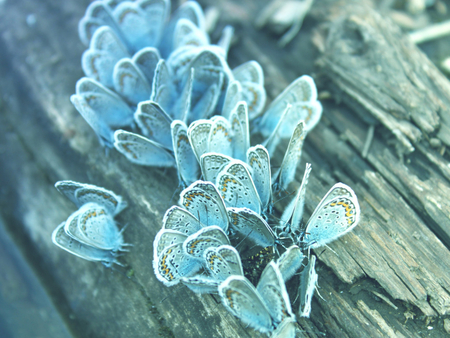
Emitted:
<point x="43" y="140"/>
<point x="376" y="69"/>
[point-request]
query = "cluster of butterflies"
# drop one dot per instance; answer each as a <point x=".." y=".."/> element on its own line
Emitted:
<point x="91" y="232"/>
<point x="213" y="240"/>
<point x="149" y="77"/>
<point x="158" y="92"/>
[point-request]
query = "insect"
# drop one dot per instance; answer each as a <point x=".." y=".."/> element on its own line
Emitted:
<point x="302" y="96"/>
<point x="337" y="214"/>
<point x="251" y="78"/>
<point x="259" y="162"/>
<point x="203" y="200"/>
<point x="236" y="187"/>
<point x="154" y="122"/>
<point x="91" y="232"/>
<point x="172" y="264"/>
<point x="188" y="167"/>
<point x="228" y="137"/>
<point x="292" y="215"/>
<point x="102" y="109"/>
<point x="250" y="230"/>
<point x="290" y="262"/>
<point x="180" y="247"/>
<point x="138" y="23"/>
<point x="79" y="249"/>
<point x="222" y="262"/>
<point x="207" y="237"/>
<point x="285" y="175"/>
<point x="308" y="283"/>
<point x="92" y="225"/>
<point x="263" y="307"/>
<point x="82" y="193"/>
<point x="141" y="150"/>
<point x="105" y="50"/>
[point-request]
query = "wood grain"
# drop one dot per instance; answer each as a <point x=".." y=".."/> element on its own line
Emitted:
<point x="400" y="248"/>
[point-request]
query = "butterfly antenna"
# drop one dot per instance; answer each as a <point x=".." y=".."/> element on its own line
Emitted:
<point x="244" y="238"/>
<point x="318" y="255"/>
<point x="282" y="198"/>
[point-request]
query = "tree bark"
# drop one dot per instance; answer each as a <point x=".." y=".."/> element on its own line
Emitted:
<point x="394" y="266"/>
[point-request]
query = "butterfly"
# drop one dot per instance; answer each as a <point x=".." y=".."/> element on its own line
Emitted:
<point x="263" y="307"/>
<point x="82" y="193"/>
<point x="337" y="214"/>
<point x="141" y="150"/>
<point x="301" y="95"/>
<point x="79" y="249"/>
<point x="102" y="109"/>
<point x="91" y="232"/>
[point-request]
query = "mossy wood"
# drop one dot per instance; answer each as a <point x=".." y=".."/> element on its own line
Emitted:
<point x="395" y="265"/>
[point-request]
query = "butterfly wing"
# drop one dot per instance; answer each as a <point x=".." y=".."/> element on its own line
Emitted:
<point x="222" y="262"/>
<point x="290" y="261"/>
<point x="308" y="282"/>
<point x="165" y="238"/>
<point x="337" y="214"/>
<point x="207" y="237"/>
<point x="241" y="134"/>
<point x="259" y="162"/>
<point x="179" y="219"/>
<point x="302" y="89"/>
<point x="237" y="188"/>
<point x="247" y="225"/>
<point x="203" y="200"/>
<point x="291" y="158"/>
<point x="154" y="123"/>
<point x="130" y="82"/>
<point x="188" y="167"/>
<point x="292" y="215"/>
<point x="221" y="136"/>
<point x="105" y="50"/>
<point x="272" y="289"/>
<point x="141" y="150"/>
<point x="198" y="134"/>
<point x="65" y="242"/>
<point x="172" y="264"/>
<point x="241" y="298"/>
<point x="211" y="165"/>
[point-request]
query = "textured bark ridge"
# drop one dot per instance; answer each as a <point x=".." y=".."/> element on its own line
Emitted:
<point x="387" y="78"/>
<point x="381" y="280"/>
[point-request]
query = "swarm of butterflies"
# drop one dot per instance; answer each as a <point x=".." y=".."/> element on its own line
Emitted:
<point x="158" y="92"/>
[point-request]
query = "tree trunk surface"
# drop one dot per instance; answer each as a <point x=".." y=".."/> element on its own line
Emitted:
<point x="389" y="277"/>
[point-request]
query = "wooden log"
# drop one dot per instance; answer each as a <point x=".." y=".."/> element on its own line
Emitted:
<point x="392" y="252"/>
<point x="380" y="73"/>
